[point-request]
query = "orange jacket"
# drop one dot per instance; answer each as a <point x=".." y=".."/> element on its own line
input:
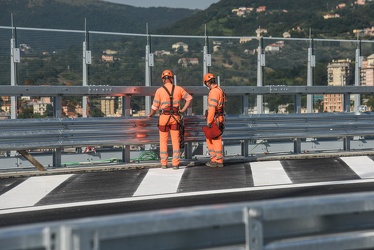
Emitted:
<point x="162" y="99"/>
<point x="216" y="101"/>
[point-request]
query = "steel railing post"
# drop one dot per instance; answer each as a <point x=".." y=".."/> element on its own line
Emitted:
<point x="311" y="65"/>
<point x="126" y="111"/>
<point x="346" y="102"/>
<point x="244" y="147"/>
<point x="149" y="62"/>
<point x="57" y="113"/>
<point x="14" y="59"/>
<point x="297" y="141"/>
<point x="245" y="104"/>
<point x="347" y="143"/>
<point x="14" y="52"/>
<point x="86" y="61"/>
<point x="254" y="235"/>
<point x="358" y="65"/>
<point x="260" y="78"/>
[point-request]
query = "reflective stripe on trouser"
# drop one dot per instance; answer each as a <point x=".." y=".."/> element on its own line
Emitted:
<point x="215" y="149"/>
<point x="174" y="134"/>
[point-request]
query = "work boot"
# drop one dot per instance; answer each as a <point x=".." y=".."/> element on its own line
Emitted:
<point x="175" y="167"/>
<point x="210" y="164"/>
<point x="214" y="164"/>
<point x="164" y="166"/>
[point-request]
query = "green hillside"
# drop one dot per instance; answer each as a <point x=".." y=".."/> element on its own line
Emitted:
<point x="279" y="17"/>
<point x="100" y="15"/>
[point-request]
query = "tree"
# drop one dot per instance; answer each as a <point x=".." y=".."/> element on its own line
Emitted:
<point x="370" y="103"/>
<point x="49" y="110"/>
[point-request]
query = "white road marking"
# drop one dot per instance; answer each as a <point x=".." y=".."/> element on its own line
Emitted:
<point x="176" y="195"/>
<point x="362" y="165"/>
<point x="269" y="173"/>
<point x="32" y="190"/>
<point x="160" y="181"/>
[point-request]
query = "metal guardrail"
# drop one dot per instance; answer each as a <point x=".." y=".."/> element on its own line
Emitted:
<point x="195" y="90"/>
<point x="330" y="222"/>
<point x="57" y="133"/>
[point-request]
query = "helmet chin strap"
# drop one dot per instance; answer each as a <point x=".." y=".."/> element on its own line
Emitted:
<point x="167" y="78"/>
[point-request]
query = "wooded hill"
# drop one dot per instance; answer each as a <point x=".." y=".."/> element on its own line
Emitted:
<point x="100" y="15"/>
<point x="294" y="16"/>
<point x="279" y="17"/>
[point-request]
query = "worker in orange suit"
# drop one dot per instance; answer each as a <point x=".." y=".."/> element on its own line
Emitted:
<point x="168" y="99"/>
<point x="215" y="113"/>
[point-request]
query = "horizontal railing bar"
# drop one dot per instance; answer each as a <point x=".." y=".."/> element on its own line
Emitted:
<point x="195" y="90"/>
<point x="188" y="36"/>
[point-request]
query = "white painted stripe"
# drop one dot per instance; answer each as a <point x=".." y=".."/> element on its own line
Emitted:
<point x="362" y="165"/>
<point x="160" y="181"/>
<point x="32" y="190"/>
<point x="269" y="173"/>
<point x="176" y="195"/>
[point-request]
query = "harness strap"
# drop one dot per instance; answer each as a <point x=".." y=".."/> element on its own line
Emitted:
<point x="171" y="112"/>
<point x="221" y="111"/>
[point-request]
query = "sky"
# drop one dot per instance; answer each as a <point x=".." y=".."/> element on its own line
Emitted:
<point x="187" y="4"/>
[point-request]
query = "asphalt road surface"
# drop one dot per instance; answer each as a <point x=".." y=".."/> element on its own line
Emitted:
<point x="31" y="199"/>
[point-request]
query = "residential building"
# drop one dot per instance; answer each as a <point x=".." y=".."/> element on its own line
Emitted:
<point x="365" y="31"/>
<point x="286" y="35"/>
<point x="107" y="105"/>
<point x="245" y="39"/>
<point x="162" y="52"/>
<point x="260" y="31"/>
<point x="178" y="45"/>
<point x="188" y="61"/>
<point x="216" y="46"/>
<point x="275" y="47"/>
<point x="337" y="74"/>
<point x="107" y="58"/>
<point x="242" y="11"/>
<point x="110" y="52"/>
<point x="367" y="71"/>
<point x="329" y="16"/>
<point x="5" y="104"/>
<point x="261" y="9"/>
<point x="40" y="106"/>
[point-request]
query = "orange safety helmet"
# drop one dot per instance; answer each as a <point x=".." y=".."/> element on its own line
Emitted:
<point x="208" y="77"/>
<point x="166" y="74"/>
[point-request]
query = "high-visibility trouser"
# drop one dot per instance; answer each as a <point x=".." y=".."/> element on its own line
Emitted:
<point x="174" y="134"/>
<point x="215" y="149"/>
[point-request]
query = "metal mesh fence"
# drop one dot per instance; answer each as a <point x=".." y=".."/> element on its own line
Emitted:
<point x="56" y="58"/>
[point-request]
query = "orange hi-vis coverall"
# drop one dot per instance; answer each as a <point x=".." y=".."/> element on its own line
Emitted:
<point x="161" y="102"/>
<point x="216" y="101"/>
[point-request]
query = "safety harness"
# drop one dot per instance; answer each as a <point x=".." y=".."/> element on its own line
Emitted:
<point x="172" y="111"/>
<point x="219" y="112"/>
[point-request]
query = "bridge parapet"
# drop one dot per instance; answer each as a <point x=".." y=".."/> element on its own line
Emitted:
<point x="59" y="133"/>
